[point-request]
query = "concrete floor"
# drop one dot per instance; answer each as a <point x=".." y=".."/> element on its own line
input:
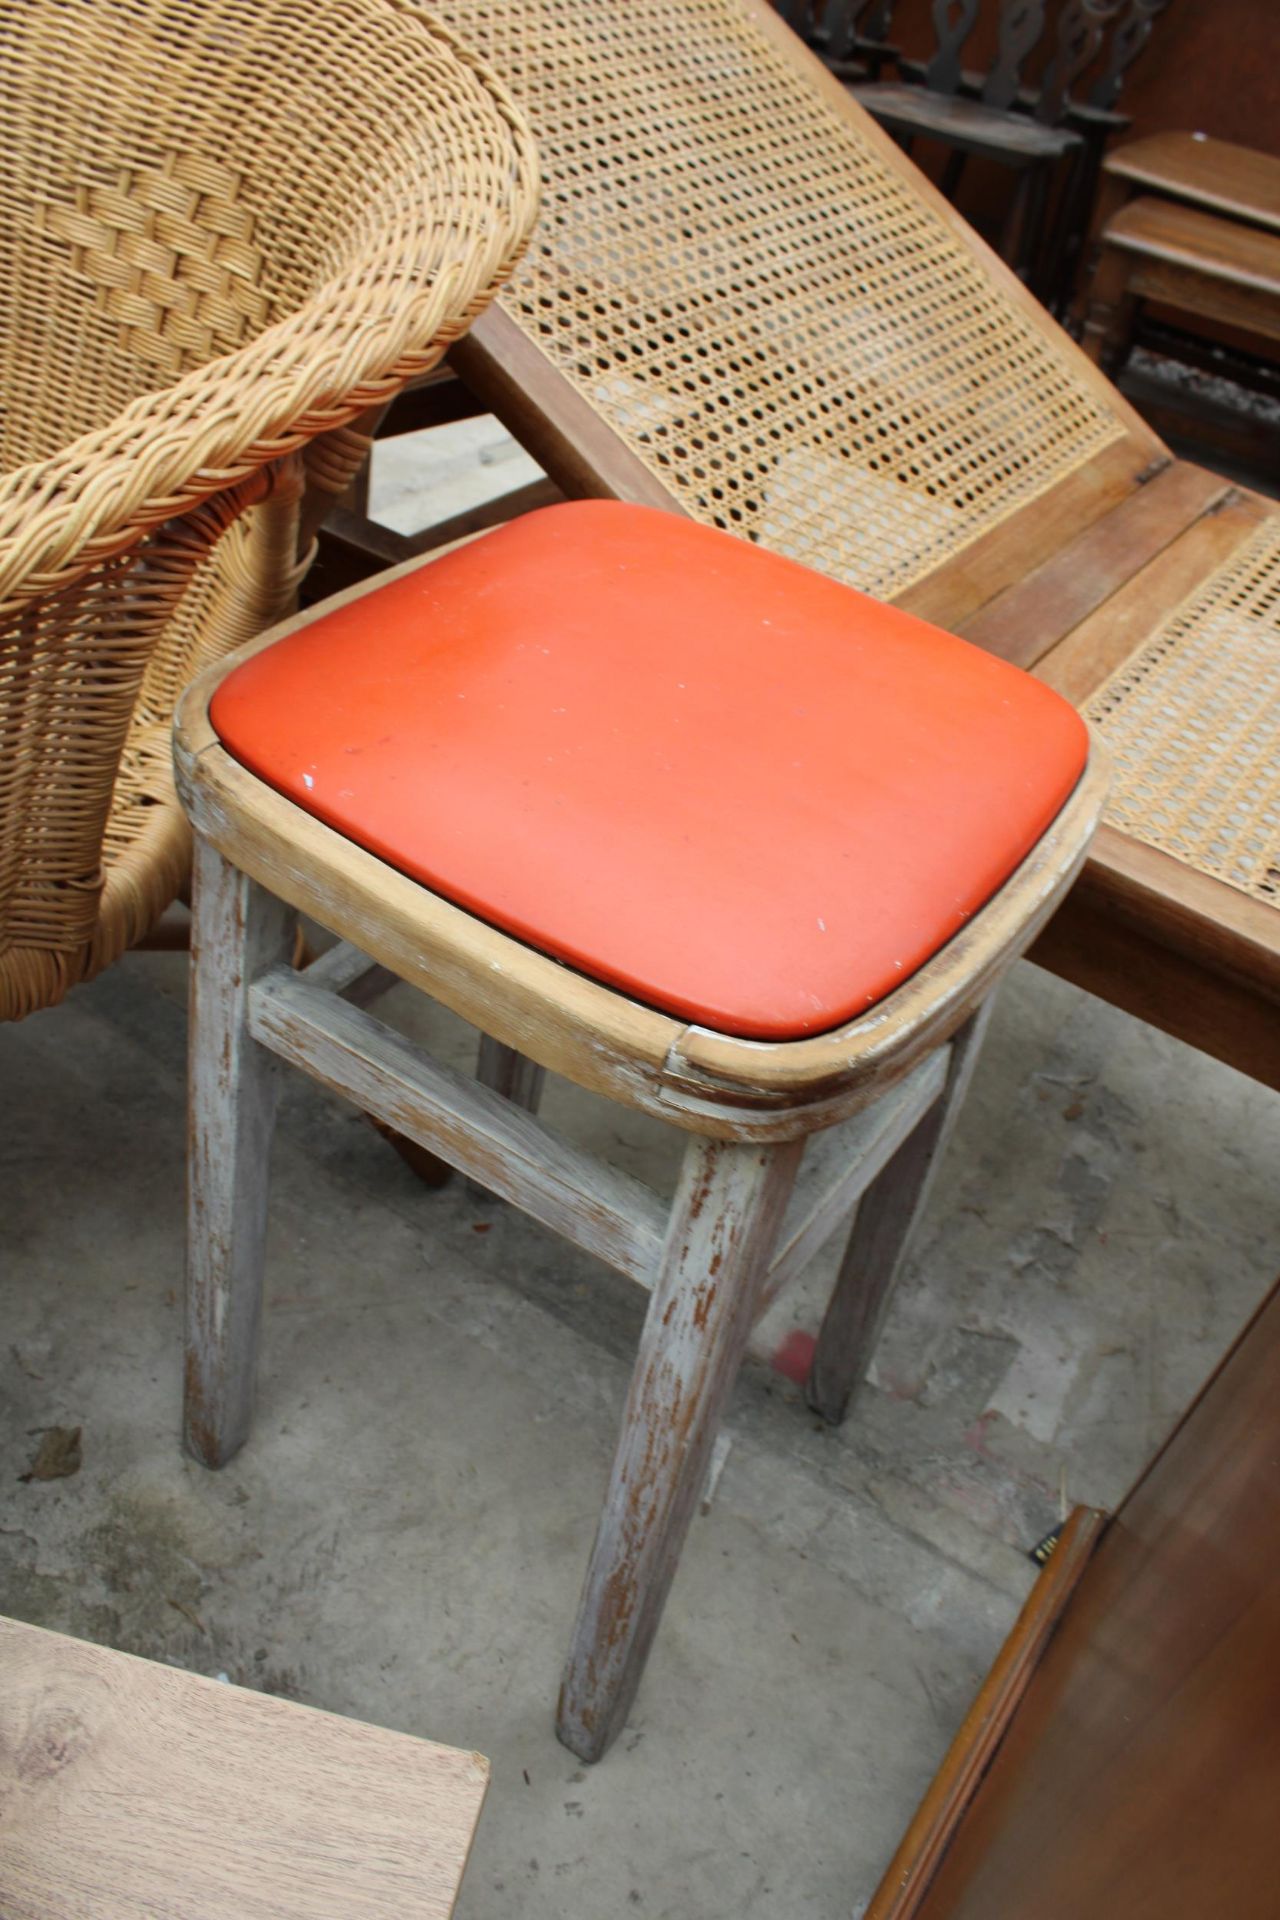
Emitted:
<point x="404" y="1537"/>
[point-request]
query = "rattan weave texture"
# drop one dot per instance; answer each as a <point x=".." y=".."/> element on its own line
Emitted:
<point x="760" y="303"/>
<point x="228" y="228"/>
<point x="1193" y="722"/>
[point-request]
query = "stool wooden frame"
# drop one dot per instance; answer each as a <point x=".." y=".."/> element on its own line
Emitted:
<point x="747" y="1215"/>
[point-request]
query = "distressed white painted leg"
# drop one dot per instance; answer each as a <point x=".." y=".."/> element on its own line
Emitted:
<point x="887" y="1216"/>
<point x="727" y="1212"/>
<point x="238" y="932"/>
<point x="509" y="1073"/>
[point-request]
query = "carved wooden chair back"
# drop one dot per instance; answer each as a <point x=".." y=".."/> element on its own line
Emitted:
<point x="1020" y="28"/>
<point x="1079" y="34"/>
<point x="854" y="26"/>
<point x="953" y="22"/>
<point x="1129" y="35"/>
<point x="1098" y="37"/>
<point x="848" y="33"/>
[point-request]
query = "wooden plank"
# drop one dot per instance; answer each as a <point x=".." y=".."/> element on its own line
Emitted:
<point x="1096" y="645"/>
<point x="605" y="1211"/>
<point x="566" y="435"/>
<point x="1222" y="1015"/>
<point x="510" y="1074"/>
<point x="728" y="1207"/>
<point x="1030" y="537"/>
<point x="1141" y="1773"/>
<point x="1207" y="918"/>
<point x="346" y="971"/>
<point x="951" y="1792"/>
<point x="841" y="1163"/>
<point x="1028" y="618"/>
<point x="130" y="1789"/>
<point x="1229" y="300"/>
<point x="1178" y="949"/>
<point x="1184" y="236"/>
<point x="1239" y="181"/>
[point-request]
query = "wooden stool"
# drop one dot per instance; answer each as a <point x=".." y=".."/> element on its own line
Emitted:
<point x="1202" y="263"/>
<point x="129" y="1789"/>
<point x="653" y="808"/>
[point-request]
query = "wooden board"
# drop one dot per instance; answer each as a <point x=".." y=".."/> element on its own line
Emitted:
<point x="1182" y="950"/>
<point x="132" y="1791"/>
<point x="468" y="1125"/>
<point x="1238" y="181"/>
<point x="1093" y="647"/>
<point x="1025" y="621"/>
<point x="1163" y="230"/>
<point x="986" y="1723"/>
<point x="566" y="435"/>
<point x="1031" y="536"/>
<point x="1141" y="1773"/>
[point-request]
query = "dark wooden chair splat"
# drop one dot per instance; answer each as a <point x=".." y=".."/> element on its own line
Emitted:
<point x="988" y="115"/>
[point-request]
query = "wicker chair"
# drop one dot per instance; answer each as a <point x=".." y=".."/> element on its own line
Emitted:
<point x="230" y="230"/>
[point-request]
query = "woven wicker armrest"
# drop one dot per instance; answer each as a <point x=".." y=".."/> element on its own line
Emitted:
<point x="452" y="193"/>
<point x="229" y="229"/>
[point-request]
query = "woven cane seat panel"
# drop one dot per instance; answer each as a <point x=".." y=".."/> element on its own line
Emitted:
<point x="1193" y="720"/>
<point x="761" y="304"/>
<point x="688" y="767"/>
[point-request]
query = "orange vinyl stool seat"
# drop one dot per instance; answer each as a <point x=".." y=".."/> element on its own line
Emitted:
<point x="738" y="791"/>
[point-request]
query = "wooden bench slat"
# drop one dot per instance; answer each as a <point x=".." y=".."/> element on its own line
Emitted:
<point x="1202" y="242"/>
<point x="1238" y="181"/>
<point x="1028" y="619"/>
